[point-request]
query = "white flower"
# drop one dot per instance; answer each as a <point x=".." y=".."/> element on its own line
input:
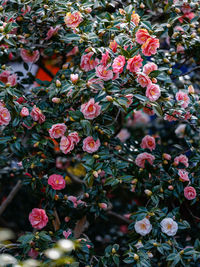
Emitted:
<point x="143" y="227"/>
<point x="169" y="226"/>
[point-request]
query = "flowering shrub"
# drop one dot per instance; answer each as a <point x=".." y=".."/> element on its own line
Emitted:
<point x="106" y="154"/>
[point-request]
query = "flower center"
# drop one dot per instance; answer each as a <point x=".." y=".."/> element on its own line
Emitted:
<point x="91" y="144"/>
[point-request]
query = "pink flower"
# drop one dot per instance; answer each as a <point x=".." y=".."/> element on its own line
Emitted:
<point x="75" y="201"/>
<point x="141" y="36"/>
<point x="74" y="78"/>
<point x="181" y="159"/>
<point x="123" y="135"/>
<point x="56" y="181"/>
<point x="66" y="144"/>
<point x="51" y="32"/>
<point x="180" y="48"/>
<point x="149" y="67"/>
<point x="37" y="115"/>
<point x="153" y="92"/>
<point x="103" y="73"/>
<point x="7" y="77"/>
<point x="134" y="63"/>
<point x="150" y="46"/>
<point x="148" y="142"/>
<point x="55" y="100"/>
<point x="183" y="97"/>
<point x="67" y="234"/>
<point x="143" y="79"/>
<point x="183" y="175"/>
<point x="75" y="137"/>
<point x="135" y="18"/>
<point x="167" y="156"/>
<point x="90" y="145"/>
<point x="141" y="158"/>
<point x="91" y="109"/>
<point x="190" y="192"/>
<point x="24" y="112"/>
<point x="33" y="253"/>
<point x="38" y="218"/>
<point x="57" y="130"/>
<point x="104" y="59"/>
<point x="118" y="64"/>
<point x="113" y="46"/>
<point x="87" y="63"/>
<point x="73" y="20"/>
<point x="4" y="116"/>
<point x="130" y="99"/>
<point x="29" y="56"/>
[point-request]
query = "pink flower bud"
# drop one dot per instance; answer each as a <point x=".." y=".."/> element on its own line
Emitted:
<point x="74" y="78"/>
<point x="56" y="100"/>
<point x="109" y="98"/>
<point x="103" y="206"/>
<point x="170" y="187"/>
<point x="88" y="10"/>
<point x="24" y="112"/>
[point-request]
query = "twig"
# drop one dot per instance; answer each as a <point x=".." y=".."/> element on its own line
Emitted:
<point x="122" y="158"/>
<point x="10" y="197"/>
<point x="56" y="221"/>
<point x="119" y="217"/>
<point x="188" y="72"/>
<point x="75" y="178"/>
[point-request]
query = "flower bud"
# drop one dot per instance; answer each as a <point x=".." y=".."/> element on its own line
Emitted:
<point x="74" y="78"/>
<point x="177" y="10"/>
<point x="88" y="10"/>
<point x="154" y="80"/>
<point x="58" y="83"/>
<point x="56" y="197"/>
<point x="191" y="89"/>
<point x="142" y="5"/>
<point x="136" y="257"/>
<point x="96" y="156"/>
<point x="148" y="192"/>
<point x="170" y="187"/>
<point x="56" y="100"/>
<point x="103" y="206"/>
<point x="86" y="195"/>
<point x="193" y="35"/>
<point x="67" y="219"/>
<point x="95" y="174"/>
<point x="181" y="252"/>
<point x="109" y="98"/>
<point x="113" y="250"/>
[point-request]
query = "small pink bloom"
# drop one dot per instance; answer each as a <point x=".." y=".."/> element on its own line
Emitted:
<point x="103" y="206"/>
<point x="135" y="18"/>
<point x="150" y="46"/>
<point x="167" y="156"/>
<point x="190" y="192"/>
<point x="73" y="20"/>
<point x="148" y="142"/>
<point x="38" y="218"/>
<point x="33" y="253"/>
<point x="141" y="159"/>
<point x="180" y="48"/>
<point x="113" y="45"/>
<point x="90" y="145"/>
<point x="91" y="109"/>
<point x="183" y="175"/>
<point x="183" y="97"/>
<point x="88" y="10"/>
<point x="75" y="137"/>
<point x="74" y="78"/>
<point x="66" y="144"/>
<point x="149" y="67"/>
<point x="37" y="115"/>
<point x="4" y="116"/>
<point x="12" y="79"/>
<point x="103" y="73"/>
<point x="24" y="112"/>
<point x="181" y="159"/>
<point x="141" y="36"/>
<point x="143" y="79"/>
<point x="123" y="135"/>
<point x="56" y="100"/>
<point x="118" y="64"/>
<point x="29" y="56"/>
<point x="104" y="59"/>
<point x="130" y="99"/>
<point x="56" y="181"/>
<point x="153" y="92"/>
<point x="87" y="63"/>
<point x="57" y="130"/>
<point x="73" y="200"/>
<point x="51" y="32"/>
<point x="67" y="234"/>
<point x="134" y="63"/>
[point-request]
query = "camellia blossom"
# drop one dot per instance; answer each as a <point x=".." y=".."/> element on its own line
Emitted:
<point x="29" y="56"/>
<point x="135" y="18"/>
<point x="90" y="145"/>
<point x="149" y="67"/>
<point x="104" y="58"/>
<point x="169" y="226"/>
<point x="37" y="115"/>
<point x="57" y="130"/>
<point x="150" y="46"/>
<point x="143" y="227"/>
<point x="123" y="135"/>
<point x="24" y="112"/>
<point x="52" y="31"/>
<point x="7" y="77"/>
<point x="104" y="73"/>
<point x="183" y="175"/>
<point x="143" y="79"/>
<point x="74" y="78"/>
<point x="118" y="64"/>
<point x="153" y="92"/>
<point x="141" y="36"/>
<point x="190" y="192"/>
<point x="148" y="142"/>
<point x="113" y="46"/>
<point x="56" y="181"/>
<point x="142" y="158"/>
<point x="72" y="20"/>
<point x="181" y="159"/>
<point x="4" y="116"/>
<point x="134" y="64"/>
<point x="38" y="218"/>
<point x="75" y="137"/>
<point x="91" y="109"/>
<point x="87" y="63"/>
<point x="66" y="144"/>
<point x="183" y="97"/>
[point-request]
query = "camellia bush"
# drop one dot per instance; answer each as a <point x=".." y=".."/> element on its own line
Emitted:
<point x="100" y="165"/>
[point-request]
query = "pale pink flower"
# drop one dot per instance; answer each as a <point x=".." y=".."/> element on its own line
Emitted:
<point x="103" y="206"/>
<point x="38" y="218"/>
<point x="90" y="145"/>
<point x="143" y="227"/>
<point x="67" y="234"/>
<point x="167" y="156"/>
<point x="55" y="100"/>
<point x="149" y="67"/>
<point x="148" y="142"/>
<point x="57" y="130"/>
<point x="150" y="46"/>
<point x="140" y="117"/>
<point x="4" y="116"/>
<point x="103" y="73"/>
<point x="37" y="115"/>
<point x="56" y="181"/>
<point x="181" y="159"/>
<point x="141" y="36"/>
<point x="130" y="99"/>
<point x="135" y="18"/>
<point x="113" y="46"/>
<point x="153" y="92"/>
<point x="72" y="20"/>
<point x="24" y="112"/>
<point x="104" y="58"/>
<point x="118" y="64"/>
<point x="7" y="77"/>
<point x="12" y="79"/>
<point x="169" y="226"/>
<point x="143" y="79"/>
<point x="183" y="97"/>
<point x="74" y="78"/>
<point x="134" y="64"/>
<point x="190" y="192"/>
<point x="75" y="137"/>
<point x="123" y="135"/>
<point x="141" y="159"/>
<point x="183" y="175"/>
<point x="91" y="109"/>
<point x="87" y="63"/>
<point x="52" y="31"/>
<point x="29" y="56"/>
<point x="66" y="144"/>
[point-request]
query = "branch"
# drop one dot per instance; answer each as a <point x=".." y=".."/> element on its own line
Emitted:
<point x="75" y="179"/>
<point x="40" y="64"/>
<point x="119" y="217"/>
<point x="188" y="72"/>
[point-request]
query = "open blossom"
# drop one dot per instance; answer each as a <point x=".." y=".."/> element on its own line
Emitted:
<point x="24" y="112"/>
<point x="153" y="92"/>
<point x="113" y="45"/>
<point x="52" y="31"/>
<point x="75" y="201"/>
<point x="72" y="20"/>
<point x="7" y="77"/>
<point x="38" y="218"/>
<point x="149" y="67"/>
<point x="150" y="46"/>
<point x="141" y="36"/>
<point x="57" y="130"/>
<point x="183" y="175"/>
<point x="103" y="73"/>
<point x="190" y="192"/>
<point x="183" y="97"/>
<point x="66" y="144"/>
<point x="90" y="109"/>
<point x="148" y="142"/>
<point x="134" y="64"/>
<point x="104" y="58"/>
<point x="123" y="135"/>
<point x="75" y="137"/>
<point x="4" y="116"/>
<point x="118" y="64"/>
<point x="56" y="181"/>
<point x="130" y="99"/>
<point x="87" y="63"/>
<point x="169" y="226"/>
<point x="142" y="158"/>
<point x="37" y="115"/>
<point x="143" y="79"/>
<point x="135" y="18"/>
<point x="181" y="159"/>
<point x="143" y="227"/>
<point x="90" y="145"/>
<point x="29" y="56"/>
